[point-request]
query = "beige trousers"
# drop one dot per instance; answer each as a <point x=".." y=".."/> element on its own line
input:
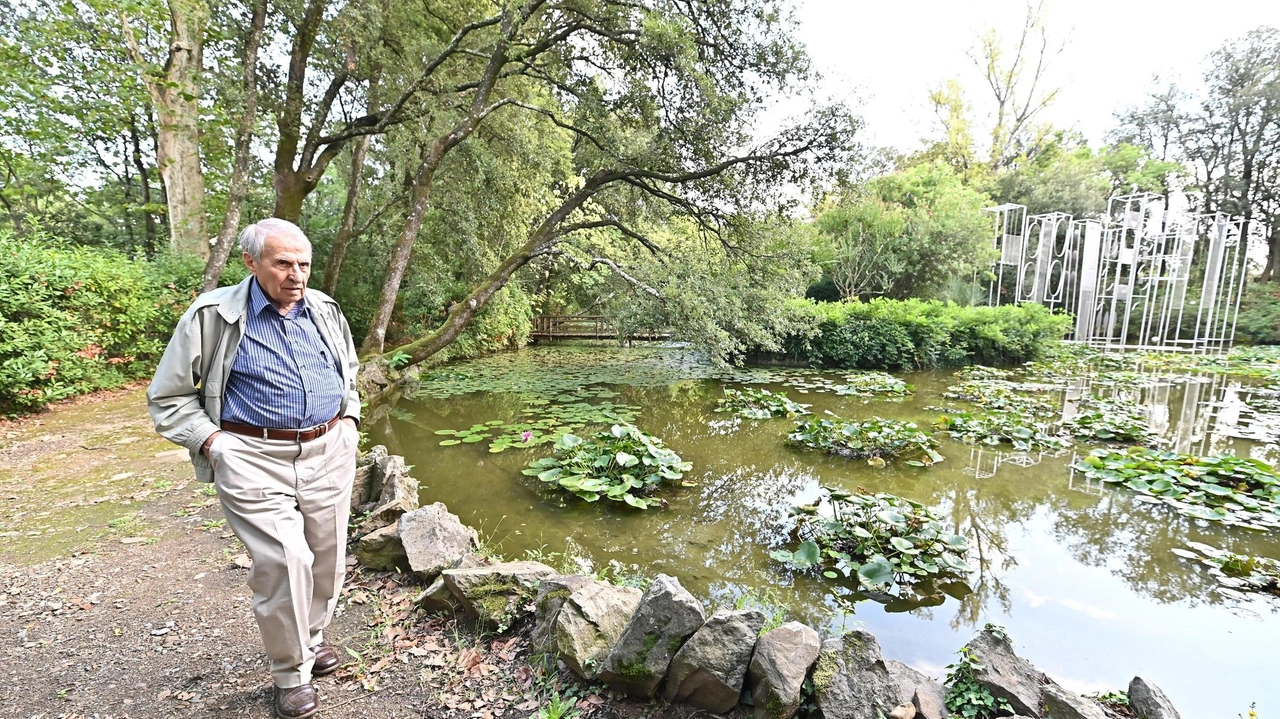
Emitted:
<point x="288" y="502"/>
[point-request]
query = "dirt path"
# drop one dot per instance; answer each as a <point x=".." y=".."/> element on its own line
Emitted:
<point x="122" y="594"/>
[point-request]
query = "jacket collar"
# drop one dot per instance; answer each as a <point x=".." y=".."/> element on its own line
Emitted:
<point x="236" y="302"/>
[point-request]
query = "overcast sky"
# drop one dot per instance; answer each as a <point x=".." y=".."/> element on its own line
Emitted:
<point x="886" y="55"/>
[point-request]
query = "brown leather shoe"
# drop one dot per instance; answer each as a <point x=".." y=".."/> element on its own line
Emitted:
<point x="326" y="660"/>
<point x="296" y="702"/>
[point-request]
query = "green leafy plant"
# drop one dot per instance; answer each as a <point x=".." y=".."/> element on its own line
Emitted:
<point x="1024" y="432"/>
<point x="881" y="540"/>
<point x="873" y="439"/>
<point x="1109" y="420"/>
<point x="398" y="360"/>
<point x="996" y="394"/>
<point x="965" y="696"/>
<point x="752" y="403"/>
<point x="623" y="465"/>
<point x="558" y="706"/>
<point x="873" y="384"/>
<point x="981" y="372"/>
<point x="1231" y="490"/>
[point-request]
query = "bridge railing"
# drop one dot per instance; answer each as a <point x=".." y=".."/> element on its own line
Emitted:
<point x="585" y="327"/>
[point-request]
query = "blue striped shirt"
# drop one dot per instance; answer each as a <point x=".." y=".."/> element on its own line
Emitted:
<point x="285" y="376"/>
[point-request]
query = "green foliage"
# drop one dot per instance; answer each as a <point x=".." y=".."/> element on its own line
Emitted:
<point x="1259" y="319"/>
<point x="965" y="696"/>
<point x="1236" y="572"/>
<point x="623" y="465"/>
<point x="905" y="234"/>
<point x="874" y="439"/>
<point x="880" y="540"/>
<point x="1003" y="395"/>
<point x="869" y="384"/>
<point x="1109" y="420"/>
<point x="917" y="334"/>
<point x="752" y="403"/>
<point x="1231" y="490"/>
<point x="75" y="319"/>
<point x="1022" y="431"/>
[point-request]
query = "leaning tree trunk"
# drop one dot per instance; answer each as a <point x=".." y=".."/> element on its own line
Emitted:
<point x="175" y="93"/>
<point x="346" y="230"/>
<point x="244" y="135"/>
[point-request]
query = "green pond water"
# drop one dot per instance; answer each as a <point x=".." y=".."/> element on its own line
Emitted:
<point x="1081" y="575"/>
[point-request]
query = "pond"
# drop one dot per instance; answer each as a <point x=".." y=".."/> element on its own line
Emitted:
<point x="1081" y="574"/>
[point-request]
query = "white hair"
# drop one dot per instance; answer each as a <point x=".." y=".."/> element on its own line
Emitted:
<point x="254" y="237"/>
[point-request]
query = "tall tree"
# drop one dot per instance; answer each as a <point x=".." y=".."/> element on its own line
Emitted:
<point x="175" y="94"/>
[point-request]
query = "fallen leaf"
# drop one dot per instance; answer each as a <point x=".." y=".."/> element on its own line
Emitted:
<point x="381" y="664"/>
<point x="243" y="561"/>
<point x="526" y="706"/>
<point x="163" y="695"/>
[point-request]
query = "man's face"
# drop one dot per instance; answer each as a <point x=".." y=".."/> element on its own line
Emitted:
<point x="283" y="270"/>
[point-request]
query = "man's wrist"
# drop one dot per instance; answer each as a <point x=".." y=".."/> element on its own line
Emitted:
<point x="208" y="442"/>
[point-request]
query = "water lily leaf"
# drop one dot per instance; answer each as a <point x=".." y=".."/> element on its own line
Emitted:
<point x="634" y="501"/>
<point x="626" y="460"/>
<point x="450" y="442"/>
<point x="901" y="544"/>
<point x="446" y="431"/>
<point x="876" y="573"/>
<point x="807" y="555"/>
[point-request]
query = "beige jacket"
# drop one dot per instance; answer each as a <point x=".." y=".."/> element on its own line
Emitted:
<point x="186" y="395"/>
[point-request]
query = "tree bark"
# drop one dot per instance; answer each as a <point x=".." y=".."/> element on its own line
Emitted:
<point x="175" y="93"/>
<point x="221" y="249"/>
<point x="144" y="179"/>
<point x="346" y="230"/>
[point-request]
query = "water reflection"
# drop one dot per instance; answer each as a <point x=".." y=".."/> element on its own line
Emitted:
<point x="1068" y="565"/>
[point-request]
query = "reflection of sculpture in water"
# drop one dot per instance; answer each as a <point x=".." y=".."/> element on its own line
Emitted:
<point x="984" y="462"/>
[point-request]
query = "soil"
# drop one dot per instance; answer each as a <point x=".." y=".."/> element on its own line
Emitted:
<point x="122" y="594"/>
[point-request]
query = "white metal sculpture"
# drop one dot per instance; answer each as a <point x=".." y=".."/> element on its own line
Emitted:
<point x="1149" y="274"/>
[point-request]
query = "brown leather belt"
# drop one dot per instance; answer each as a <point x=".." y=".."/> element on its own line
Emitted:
<point x="292" y="435"/>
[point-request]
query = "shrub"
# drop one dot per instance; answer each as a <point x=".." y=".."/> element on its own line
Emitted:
<point x="918" y="334"/>
<point x="1259" y="320"/>
<point x="78" y="319"/>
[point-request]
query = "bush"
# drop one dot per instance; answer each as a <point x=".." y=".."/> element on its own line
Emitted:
<point x="1259" y="320"/>
<point x="918" y="334"/>
<point x="78" y="319"/>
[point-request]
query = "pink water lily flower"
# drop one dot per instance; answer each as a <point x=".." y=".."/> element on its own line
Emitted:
<point x="526" y="435"/>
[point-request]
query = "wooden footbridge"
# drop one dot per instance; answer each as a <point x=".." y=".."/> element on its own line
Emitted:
<point x="586" y="327"/>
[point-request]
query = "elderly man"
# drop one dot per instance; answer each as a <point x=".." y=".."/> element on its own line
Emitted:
<point x="258" y="383"/>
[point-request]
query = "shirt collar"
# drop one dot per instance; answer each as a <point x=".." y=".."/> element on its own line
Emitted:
<point x="258" y="301"/>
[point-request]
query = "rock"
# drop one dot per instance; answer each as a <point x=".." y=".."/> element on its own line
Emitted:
<point x="495" y="594"/>
<point x="666" y="617"/>
<point x="435" y="540"/>
<point x="709" y="669"/>
<point x="368" y="481"/>
<point x="552" y="593"/>
<point x="1149" y="702"/>
<point x="438" y="598"/>
<point x="589" y="624"/>
<point x="903" y="711"/>
<point x="1062" y="704"/>
<point x="382" y="549"/>
<point x="1008" y="676"/>
<point x="398" y="495"/>
<point x="778" y="668"/>
<point x="925" y="693"/>
<point x="851" y="680"/>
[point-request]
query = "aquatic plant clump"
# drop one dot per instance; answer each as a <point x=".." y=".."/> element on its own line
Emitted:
<point x="1231" y="490"/>
<point x="752" y="403"/>
<point x="873" y="384"/>
<point x="1023" y="432"/>
<point x="998" y="394"/>
<point x="980" y="372"/>
<point x="1235" y="572"/>
<point x="873" y="439"/>
<point x="541" y="421"/>
<point x="881" y="540"/>
<point x="623" y="465"/>
<point x="1109" y="420"/>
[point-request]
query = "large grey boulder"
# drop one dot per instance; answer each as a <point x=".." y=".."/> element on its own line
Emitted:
<point x="552" y="593"/>
<point x="382" y="549"/>
<point x="1008" y="676"/>
<point x="851" y="680"/>
<point x="434" y="540"/>
<point x="438" y="598"/>
<point x="1148" y="702"/>
<point x="590" y="623"/>
<point x="494" y="595"/>
<point x="778" y="668"/>
<point x="709" y="669"/>
<point x="924" y="692"/>
<point x="1062" y="704"/>
<point x="666" y="617"/>
<point x="398" y="494"/>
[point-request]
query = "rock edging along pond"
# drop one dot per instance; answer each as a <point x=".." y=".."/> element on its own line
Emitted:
<point x="659" y="642"/>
